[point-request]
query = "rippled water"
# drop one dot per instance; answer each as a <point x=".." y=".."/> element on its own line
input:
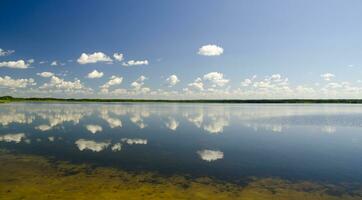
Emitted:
<point x="226" y="141"/>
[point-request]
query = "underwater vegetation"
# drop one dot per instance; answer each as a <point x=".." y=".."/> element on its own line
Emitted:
<point x="36" y="177"/>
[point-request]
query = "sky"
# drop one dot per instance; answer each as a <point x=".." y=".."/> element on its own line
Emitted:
<point x="170" y="49"/>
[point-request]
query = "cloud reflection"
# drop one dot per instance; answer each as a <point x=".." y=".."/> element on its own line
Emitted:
<point x="134" y="141"/>
<point x="17" y="137"/>
<point x="43" y="127"/>
<point x="210" y="155"/>
<point x="94" y="128"/>
<point x="117" y="147"/>
<point x="172" y="123"/>
<point x="91" y="145"/>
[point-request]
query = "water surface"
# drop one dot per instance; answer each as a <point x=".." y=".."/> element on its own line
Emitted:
<point x="235" y="143"/>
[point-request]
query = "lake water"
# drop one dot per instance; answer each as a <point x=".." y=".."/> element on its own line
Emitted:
<point x="232" y="143"/>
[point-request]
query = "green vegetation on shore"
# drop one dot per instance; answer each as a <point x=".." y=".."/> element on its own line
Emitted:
<point x="5" y="99"/>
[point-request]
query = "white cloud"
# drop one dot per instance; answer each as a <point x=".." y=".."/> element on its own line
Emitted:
<point x="248" y="81"/>
<point x="54" y="63"/>
<point x="197" y="84"/>
<point x="61" y="84"/>
<point x="273" y="83"/>
<point x="20" y="64"/>
<point x="12" y="137"/>
<point x="216" y="78"/>
<point x="210" y="155"/>
<point x="134" y="141"/>
<point x="327" y="76"/>
<point x="6" y="52"/>
<point x="91" y="145"/>
<point x="172" y="80"/>
<point x="8" y="82"/>
<point x="95" y="74"/>
<point x="46" y="74"/>
<point x="141" y="78"/>
<point x="210" y="50"/>
<point x="138" y="85"/>
<point x="118" y="56"/>
<point x="114" y="80"/>
<point x="93" y="58"/>
<point x="135" y="63"/>
<point x="94" y="128"/>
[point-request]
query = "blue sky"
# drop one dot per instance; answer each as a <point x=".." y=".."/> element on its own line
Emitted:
<point x="185" y="49"/>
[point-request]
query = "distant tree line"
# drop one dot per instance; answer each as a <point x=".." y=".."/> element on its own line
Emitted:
<point x="35" y="99"/>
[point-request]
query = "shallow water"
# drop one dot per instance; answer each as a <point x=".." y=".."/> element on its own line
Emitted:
<point x="238" y="144"/>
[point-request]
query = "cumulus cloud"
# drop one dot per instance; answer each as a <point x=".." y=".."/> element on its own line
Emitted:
<point x="17" y="137"/>
<point x="54" y="63"/>
<point x="210" y="155"/>
<point x="95" y="74"/>
<point x="135" y="63"/>
<point x="93" y="58"/>
<point x="46" y="74"/>
<point x="134" y="141"/>
<point x="94" y="128"/>
<point x="216" y="78"/>
<point x="20" y="64"/>
<point x="197" y="84"/>
<point x="114" y="80"/>
<point x="273" y="85"/>
<point x="248" y="81"/>
<point x="6" y="52"/>
<point x="138" y="85"/>
<point x="8" y="82"/>
<point x="210" y="50"/>
<point x="91" y="145"/>
<point x="327" y="76"/>
<point x="172" y="80"/>
<point x="118" y="56"/>
<point x="60" y="84"/>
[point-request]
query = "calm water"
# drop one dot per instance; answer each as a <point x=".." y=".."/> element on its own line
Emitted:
<point x="225" y="141"/>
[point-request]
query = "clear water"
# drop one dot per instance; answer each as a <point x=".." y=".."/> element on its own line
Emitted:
<point x="226" y="141"/>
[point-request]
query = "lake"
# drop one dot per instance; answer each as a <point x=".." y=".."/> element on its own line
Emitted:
<point x="221" y="151"/>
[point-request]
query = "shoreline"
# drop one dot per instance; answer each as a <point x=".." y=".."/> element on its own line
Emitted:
<point x="9" y="99"/>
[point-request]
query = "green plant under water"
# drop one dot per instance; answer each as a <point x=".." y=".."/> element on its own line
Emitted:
<point x="35" y="177"/>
